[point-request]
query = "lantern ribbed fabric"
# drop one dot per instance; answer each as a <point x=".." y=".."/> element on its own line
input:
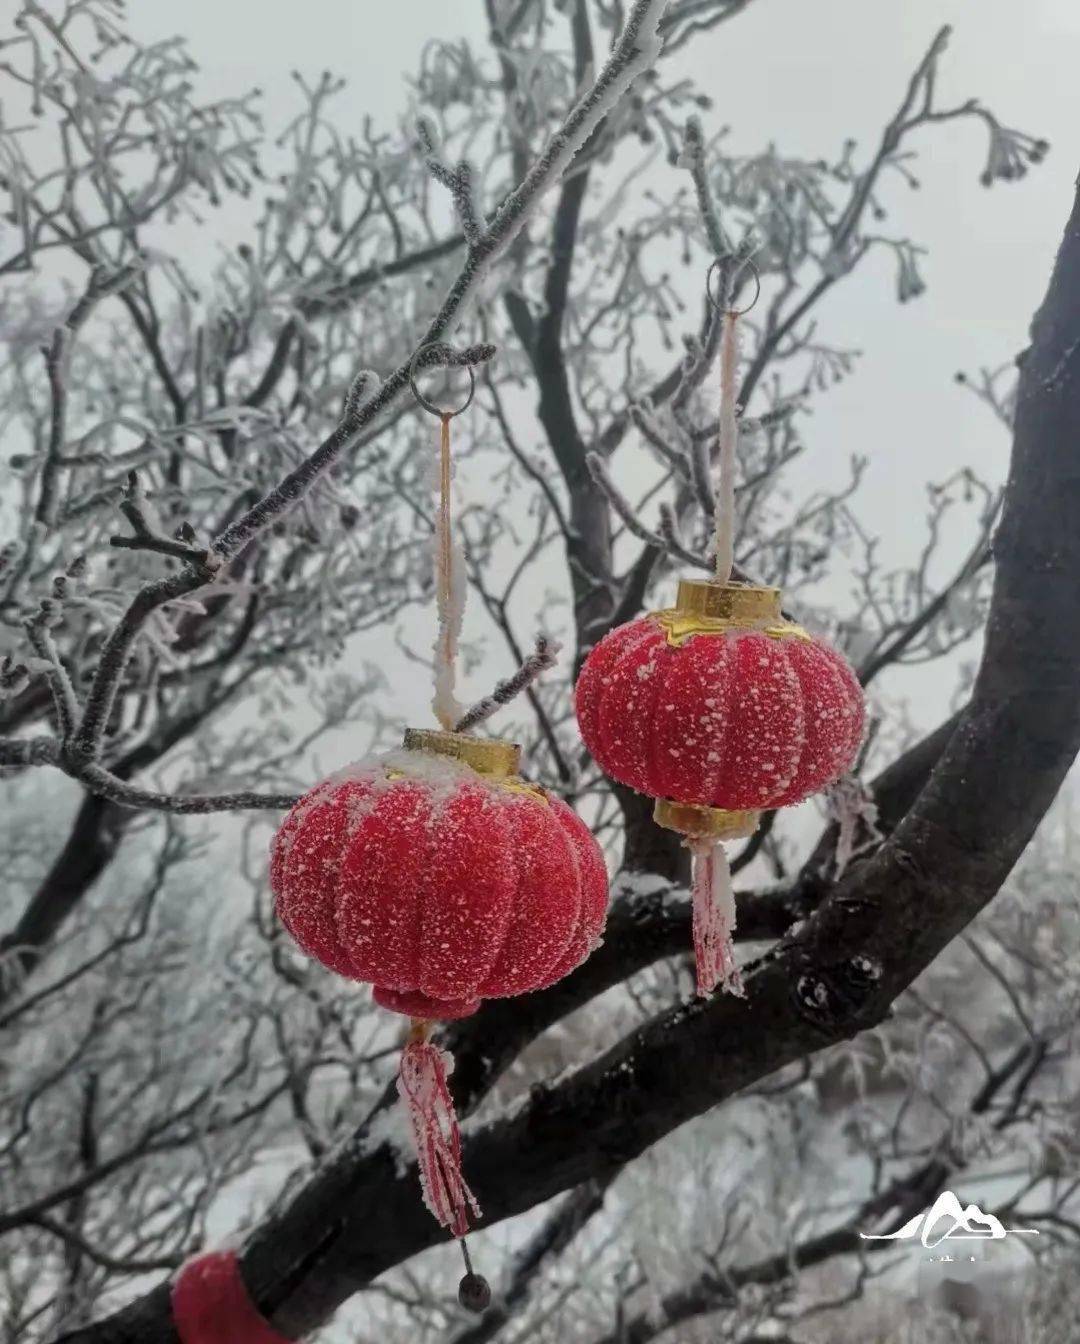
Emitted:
<point x="210" y="1304"/>
<point x="438" y="885"/>
<point x="441" y="877"/>
<point x="739" y="719"/>
<point x="719" y="708"/>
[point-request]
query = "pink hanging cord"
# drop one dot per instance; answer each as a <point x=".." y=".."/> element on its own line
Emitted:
<point x="211" y="1305"/>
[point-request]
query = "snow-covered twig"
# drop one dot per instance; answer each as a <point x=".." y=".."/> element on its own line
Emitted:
<point x="57" y="363"/>
<point x="647" y="425"/>
<point x="20" y="752"/>
<point x="102" y="782"/>
<point x="665" y="541"/>
<point x="669" y="535"/>
<point x="458" y="181"/>
<point x="618" y="501"/>
<point x="544" y="656"/>
<point x="854" y="809"/>
<point x="698" y="361"/>
<point x="39" y="633"/>
<point x="145" y="538"/>
<point x="57" y="355"/>
<point x="118" y="646"/>
<point x="632" y="54"/>
<point x="362" y="386"/>
<point x="693" y="158"/>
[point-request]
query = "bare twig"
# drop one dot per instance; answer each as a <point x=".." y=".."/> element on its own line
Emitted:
<point x="544" y="656"/>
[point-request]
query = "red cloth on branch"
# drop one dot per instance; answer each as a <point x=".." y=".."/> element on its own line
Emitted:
<point x="211" y="1305"/>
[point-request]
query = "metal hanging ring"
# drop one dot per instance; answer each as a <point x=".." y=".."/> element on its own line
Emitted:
<point x="430" y="406"/>
<point x="715" y="301"/>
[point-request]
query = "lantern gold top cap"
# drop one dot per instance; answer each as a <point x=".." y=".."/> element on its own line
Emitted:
<point x="486" y="756"/>
<point x="727" y="601"/>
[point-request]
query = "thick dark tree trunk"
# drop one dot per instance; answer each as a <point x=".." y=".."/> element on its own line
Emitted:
<point x="92" y="842"/>
<point x="649" y="848"/>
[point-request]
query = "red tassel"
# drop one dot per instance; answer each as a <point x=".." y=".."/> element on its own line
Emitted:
<point x="210" y="1304"/>
<point x="714" y="920"/>
<point x="423" y="1087"/>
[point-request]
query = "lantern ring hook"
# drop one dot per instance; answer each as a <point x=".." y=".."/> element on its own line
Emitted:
<point x="714" y="299"/>
<point x="430" y="406"/>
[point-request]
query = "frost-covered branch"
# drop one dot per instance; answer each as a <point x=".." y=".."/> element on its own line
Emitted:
<point x="689" y="18"/>
<point x="631" y="55"/>
<point x="634" y="52"/>
<point x="89" y="736"/>
<point x="665" y="541"/>
<point x="716" y="1289"/>
<point x="18" y="753"/>
<point x="694" y="160"/>
<point x="545" y="655"/>
<point x="39" y="632"/>
<point x="459" y="181"/>
<point x="144" y="538"/>
<point x="105" y="784"/>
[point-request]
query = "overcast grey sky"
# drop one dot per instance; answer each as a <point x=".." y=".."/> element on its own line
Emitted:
<point x="805" y="76"/>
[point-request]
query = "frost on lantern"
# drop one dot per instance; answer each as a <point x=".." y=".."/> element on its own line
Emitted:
<point x="719" y="708"/>
<point x="442" y="878"/>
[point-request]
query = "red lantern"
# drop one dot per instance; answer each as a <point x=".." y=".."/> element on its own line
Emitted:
<point x="442" y="878"/>
<point x="719" y="708"/>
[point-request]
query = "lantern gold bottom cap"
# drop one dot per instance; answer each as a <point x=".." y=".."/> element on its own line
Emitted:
<point x="705" y="823"/>
<point x="487" y="756"/>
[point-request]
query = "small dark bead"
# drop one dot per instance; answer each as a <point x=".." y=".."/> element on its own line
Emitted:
<point x="474" y="1293"/>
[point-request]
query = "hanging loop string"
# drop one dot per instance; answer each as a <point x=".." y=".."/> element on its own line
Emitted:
<point x="727" y="445"/>
<point x="445" y="703"/>
<point x="728" y="437"/>
<point x="431" y="362"/>
<point x="449" y="570"/>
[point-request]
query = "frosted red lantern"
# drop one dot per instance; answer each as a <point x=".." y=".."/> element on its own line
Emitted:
<point x="442" y="878"/>
<point x="719" y="708"/>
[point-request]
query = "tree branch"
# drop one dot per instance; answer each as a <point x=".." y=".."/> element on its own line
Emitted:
<point x="634" y="52"/>
<point x="841" y="970"/>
